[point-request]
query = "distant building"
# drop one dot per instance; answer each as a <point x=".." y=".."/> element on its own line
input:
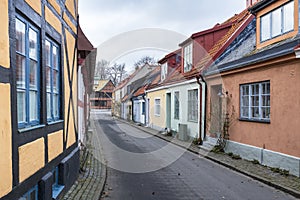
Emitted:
<point x="102" y="95"/>
<point x="86" y="67"/>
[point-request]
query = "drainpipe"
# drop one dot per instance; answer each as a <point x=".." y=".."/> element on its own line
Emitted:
<point x="202" y="124"/>
<point x="132" y="104"/>
<point x="145" y="115"/>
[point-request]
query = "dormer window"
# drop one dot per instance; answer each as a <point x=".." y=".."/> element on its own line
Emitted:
<point x="188" y="57"/>
<point x="164" y="71"/>
<point x="277" y="22"/>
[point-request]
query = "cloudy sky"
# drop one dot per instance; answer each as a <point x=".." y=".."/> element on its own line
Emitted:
<point x="102" y="20"/>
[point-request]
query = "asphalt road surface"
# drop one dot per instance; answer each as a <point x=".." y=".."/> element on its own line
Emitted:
<point x="142" y="167"/>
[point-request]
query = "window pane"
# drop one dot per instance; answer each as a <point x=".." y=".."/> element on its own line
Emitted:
<point x="33" y="111"/>
<point x="255" y="89"/>
<point x="255" y="100"/>
<point x="55" y="82"/>
<point x="32" y="195"/>
<point x="288" y="17"/>
<point x="245" y="112"/>
<point x="245" y="101"/>
<point x="20" y="36"/>
<point x="54" y="56"/>
<point x="48" y="105"/>
<point x="266" y="113"/>
<point x="176" y="104"/>
<point x="55" y="106"/>
<point x="21" y="102"/>
<point x="48" y="51"/>
<point x="255" y="112"/>
<point x="48" y="79"/>
<point x="245" y="90"/>
<point x="33" y="44"/>
<point x="276" y="22"/>
<point x="20" y="70"/>
<point x="33" y="75"/>
<point x="265" y="27"/>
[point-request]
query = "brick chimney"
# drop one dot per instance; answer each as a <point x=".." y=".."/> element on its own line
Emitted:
<point x="251" y="2"/>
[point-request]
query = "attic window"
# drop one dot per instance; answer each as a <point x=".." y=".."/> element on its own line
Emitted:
<point x="277" y="22"/>
<point x="188" y="57"/>
<point x="164" y="71"/>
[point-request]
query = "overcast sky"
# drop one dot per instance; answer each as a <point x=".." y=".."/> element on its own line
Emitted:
<point x="103" y="19"/>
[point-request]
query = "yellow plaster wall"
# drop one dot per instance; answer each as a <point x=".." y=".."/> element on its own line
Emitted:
<point x="31" y="158"/>
<point x="35" y="5"/>
<point x="71" y="42"/>
<point x="70" y="23"/>
<point x="4" y="39"/>
<point x="277" y="4"/>
<point x="157" y="121"/>
<point x="70" y="6"/>
<point x="55" y="144"/>
<point x="5" y="141"/>
<point x="52" y="19"/>
<point x="55" y="5"/>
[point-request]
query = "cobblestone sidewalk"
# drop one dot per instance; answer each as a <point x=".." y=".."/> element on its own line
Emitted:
<point x="92" y="175"/>
<point x="289" y="184"/>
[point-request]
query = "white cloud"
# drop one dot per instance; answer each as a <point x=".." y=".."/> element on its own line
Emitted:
<point x="102" y="20"/>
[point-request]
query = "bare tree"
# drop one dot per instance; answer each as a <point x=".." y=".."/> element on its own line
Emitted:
<point x="144" y="60"/>
<point x="102" y="69"/>
<point x="116" y="73"/>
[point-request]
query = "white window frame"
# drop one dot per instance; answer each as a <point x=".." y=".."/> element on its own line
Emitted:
<point x="268" y="19"/>
<point x="188" y="57"/>
<point x="157" y="102"/>
<point x="247" y="104"/>
<point x="193" y="105"/>
<point x="164" y="71"/>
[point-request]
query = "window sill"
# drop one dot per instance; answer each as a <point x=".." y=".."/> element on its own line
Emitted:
<point x="24" y="130"/>
<point x="193" y="121"/>
<point x="255" y="120"/>
<point x="56" y="190"/>
<point x="55" y="122"/>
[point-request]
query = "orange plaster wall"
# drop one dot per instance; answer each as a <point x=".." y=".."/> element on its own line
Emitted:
<point x="282" y="134"/>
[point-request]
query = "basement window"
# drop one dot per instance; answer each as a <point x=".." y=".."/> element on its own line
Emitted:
<point x="57" y="188"/>
<point x="32" y="194"/>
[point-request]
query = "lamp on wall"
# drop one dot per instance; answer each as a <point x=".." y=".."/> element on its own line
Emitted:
<point x="222" y="93"/>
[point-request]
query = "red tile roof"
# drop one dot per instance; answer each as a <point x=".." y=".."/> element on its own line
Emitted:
<point x="140" y="91"/>
<point x="237" y="23"/>
<point x="164" y="59"/>
<point x="83" y="43"/>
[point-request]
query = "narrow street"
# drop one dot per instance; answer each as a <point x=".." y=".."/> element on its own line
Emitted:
<point x="141" y="166"/>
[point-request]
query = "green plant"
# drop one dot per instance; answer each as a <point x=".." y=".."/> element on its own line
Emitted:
<point x="236" y="157"/>
<point x="254" y="161"/>
<point x="217" y="149"/>
<point x="280" y="171"/>
<point x="284" y="172"/>
<point x="230" y="154"/>
<point x="196" y="141"/>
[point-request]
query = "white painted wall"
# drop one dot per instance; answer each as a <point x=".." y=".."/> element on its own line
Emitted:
<point x="81" y="120"/>
<point x="193" y="127"/>
<point x="265" y="157"/>
<point x="139" y="116"/>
